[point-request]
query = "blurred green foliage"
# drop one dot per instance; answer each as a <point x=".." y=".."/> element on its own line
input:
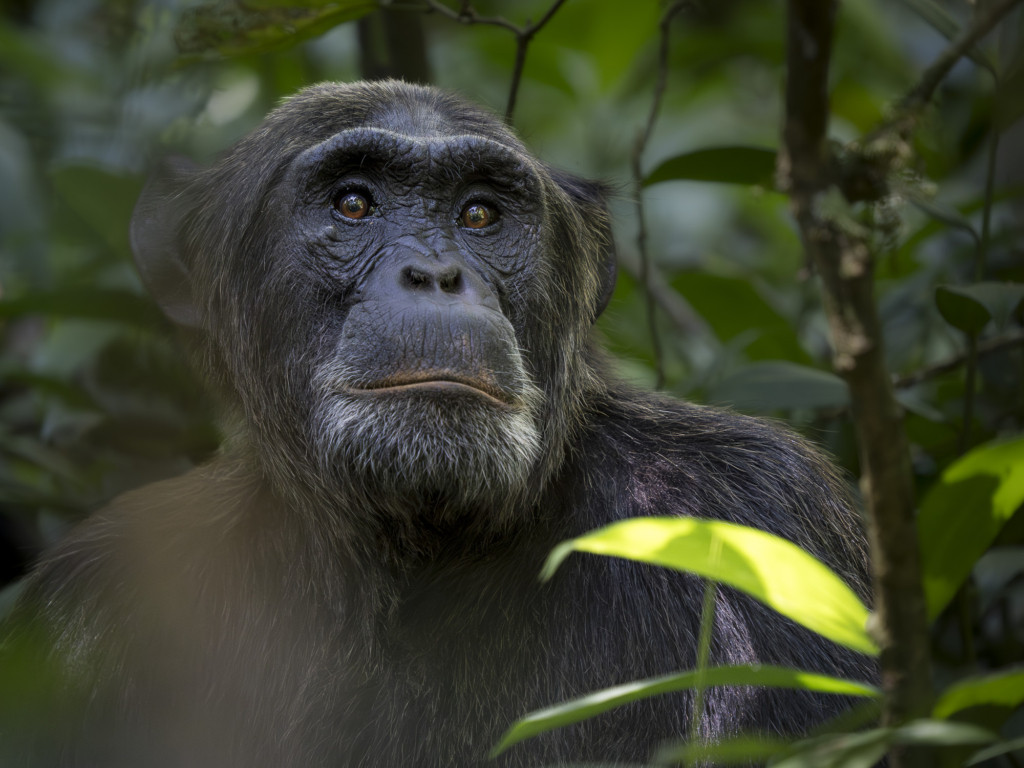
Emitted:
<point x="95" y="397"/>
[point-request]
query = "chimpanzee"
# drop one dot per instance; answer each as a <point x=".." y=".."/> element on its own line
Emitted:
<point x="394" y="301"/>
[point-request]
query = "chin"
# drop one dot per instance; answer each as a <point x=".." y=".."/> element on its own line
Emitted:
<point x="446" y="447"/>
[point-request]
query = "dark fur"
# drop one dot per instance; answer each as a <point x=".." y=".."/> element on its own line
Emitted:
<point x="300" y="601"/>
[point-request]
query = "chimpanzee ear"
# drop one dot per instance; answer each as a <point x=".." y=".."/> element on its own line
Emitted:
<point x="591" y="198"/>
<point x="154" y="234"/>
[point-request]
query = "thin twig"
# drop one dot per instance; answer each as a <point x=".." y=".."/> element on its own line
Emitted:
<point x="638" y="179"/>
<point x="922" y="93"/>
<point x="676" y="308"/>
<point x="467" y="14"/>
<point x="937" y="369"/>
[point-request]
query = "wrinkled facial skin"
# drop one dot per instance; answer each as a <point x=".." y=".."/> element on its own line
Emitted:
<point x="419" y="380"/>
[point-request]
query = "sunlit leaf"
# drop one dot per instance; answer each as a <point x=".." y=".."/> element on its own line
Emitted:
<point x="773" y="570"/>
<point x="777" y="384"/>
<point x="962" y="310"/>
<point x="729" y="165"/>
<point x="741" y="674"/>
<point x="232" y="28"/>
<point x="1005" y="688"/>
<point x="963" y="513"/>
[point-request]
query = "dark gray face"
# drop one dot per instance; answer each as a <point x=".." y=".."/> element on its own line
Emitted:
<point x="422" y="243"/>
<point x="391" y="293"/>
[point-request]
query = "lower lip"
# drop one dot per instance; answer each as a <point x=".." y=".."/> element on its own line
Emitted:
<point x="452" y="388"/>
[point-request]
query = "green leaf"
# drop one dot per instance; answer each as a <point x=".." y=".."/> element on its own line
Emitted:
<point x="741" y="674"/>
<point x="963" y="513"/>
<point x="776" y="384"/>
<point x="1005" y="688"/>
<point x="89" y="303"/>
<point x="865" y="749"/>
<point x="995" y="750"/>
<point x="962" y="310"/>
<point x="941" y="733"/>
<point x="733" y="306"/>
<point x="103" y="199"/>
<point x="232" y="28"/>
<point x="947" y="215"/>
<point x="742" y="750"/>
<point x="847" y="750"/>
<point x="1001" y="299"/>
<point x="775" y="571"/>
<point x="729" y="165"/>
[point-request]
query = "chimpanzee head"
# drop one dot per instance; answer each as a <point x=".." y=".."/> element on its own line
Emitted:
<point x="393" y="293"/>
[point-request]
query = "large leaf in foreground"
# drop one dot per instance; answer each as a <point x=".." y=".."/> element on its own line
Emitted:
<point x="1005" y="688"/>
<point x="741" y="674"/>
<point x="963" y="513"/>
<point x="775" y="571"/>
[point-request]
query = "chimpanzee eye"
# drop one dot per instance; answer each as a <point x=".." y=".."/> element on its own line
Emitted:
<point x="478" y="216"/>
<point x="352" y="205"/>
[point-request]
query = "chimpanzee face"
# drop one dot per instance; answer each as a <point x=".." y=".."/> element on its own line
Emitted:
<point x="423" y="244"/>
<point x="394" y="294"/>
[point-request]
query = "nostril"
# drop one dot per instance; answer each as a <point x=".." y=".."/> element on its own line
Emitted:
<point x="451" y="281"/>
<point x="416" y="279"/>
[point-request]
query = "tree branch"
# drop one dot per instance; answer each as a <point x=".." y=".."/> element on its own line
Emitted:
<point x="846" y="267"/>
<point x="638" y="183"/>
<point x="937" y="369"/>
<point x="922" y="93"/>
<point x="467" y="14"/>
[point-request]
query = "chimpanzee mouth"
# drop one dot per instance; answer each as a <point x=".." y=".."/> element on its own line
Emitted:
<point x="433" y="384"/>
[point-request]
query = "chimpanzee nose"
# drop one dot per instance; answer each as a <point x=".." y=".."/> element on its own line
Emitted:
<point x="440" y="279"/>
<point x="430" y="278"/>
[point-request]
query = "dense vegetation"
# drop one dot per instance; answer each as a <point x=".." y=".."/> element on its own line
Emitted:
<point x="681" y="106"/>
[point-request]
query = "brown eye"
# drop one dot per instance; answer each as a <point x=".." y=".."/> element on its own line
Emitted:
<point x="478" y="216"/>
<point x="352" y="206"/>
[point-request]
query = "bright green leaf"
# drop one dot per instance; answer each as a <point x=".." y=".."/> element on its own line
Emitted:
<point x="962" y="310"/>
<point x="775" y="571"/>
<point x="963" y="513"/>
<point x="729" y="165"/>
<point x="741" y="674"/>
<point x="1005" y="688"/>
<point x="775" y="384"/>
